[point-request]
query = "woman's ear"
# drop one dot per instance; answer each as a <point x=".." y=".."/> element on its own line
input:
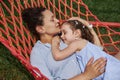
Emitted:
<point x="40" y="29"/>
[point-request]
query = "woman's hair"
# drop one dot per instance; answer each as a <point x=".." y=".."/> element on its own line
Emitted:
<point x="33" y="17"/>
<point x="85" y="32"/>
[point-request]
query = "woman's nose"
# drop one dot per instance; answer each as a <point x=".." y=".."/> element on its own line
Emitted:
<point x="56" y="20"/>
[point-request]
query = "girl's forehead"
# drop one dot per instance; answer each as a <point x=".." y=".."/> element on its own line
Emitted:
<point x="65" y="25"/>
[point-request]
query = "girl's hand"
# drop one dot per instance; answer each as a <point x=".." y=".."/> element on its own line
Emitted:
<point x="97" y="68"/>
<point x="56" y="40"/>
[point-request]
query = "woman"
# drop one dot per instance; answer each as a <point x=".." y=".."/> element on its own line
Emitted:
<point x="44" y="26"/>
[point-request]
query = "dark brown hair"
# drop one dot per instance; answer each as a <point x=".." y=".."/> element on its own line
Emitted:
<point x="85" y="32"/>
<point x="33" y="17"/>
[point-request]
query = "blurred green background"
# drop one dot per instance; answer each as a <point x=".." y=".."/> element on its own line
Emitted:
<point x="11" y="69"/>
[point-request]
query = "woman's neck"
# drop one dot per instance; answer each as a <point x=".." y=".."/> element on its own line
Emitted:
<point x="46" y="38"/>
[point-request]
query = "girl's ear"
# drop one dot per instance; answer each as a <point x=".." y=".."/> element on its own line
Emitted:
<point x="40" y="29"/>
<point x="77" y="33"/>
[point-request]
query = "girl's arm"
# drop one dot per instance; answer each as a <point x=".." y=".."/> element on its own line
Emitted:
<point x="62" y="54"/>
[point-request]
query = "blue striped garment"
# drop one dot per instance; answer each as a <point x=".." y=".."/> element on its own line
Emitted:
<point x="112" y="71"/>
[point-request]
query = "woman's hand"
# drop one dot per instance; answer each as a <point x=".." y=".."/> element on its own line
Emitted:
<point x="97" y="68"/>
<point x="86" y="23"/>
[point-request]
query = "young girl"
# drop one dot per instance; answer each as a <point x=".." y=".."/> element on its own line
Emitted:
<point x="80" y="41"/>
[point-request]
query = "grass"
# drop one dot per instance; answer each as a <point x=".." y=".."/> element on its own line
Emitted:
<point x="11" y="68"/>
<point x="105" y="10"/>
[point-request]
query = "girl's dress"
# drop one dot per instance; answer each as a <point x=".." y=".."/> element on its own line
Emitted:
<point x="112" y="69"/>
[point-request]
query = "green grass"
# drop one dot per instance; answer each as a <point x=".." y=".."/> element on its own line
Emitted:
<point x="11" y="68"/>
<point x="105" y="10"/>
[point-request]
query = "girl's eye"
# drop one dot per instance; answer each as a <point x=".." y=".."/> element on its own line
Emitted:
<point x="64" y="32"/>
<point x="52" y="20"/>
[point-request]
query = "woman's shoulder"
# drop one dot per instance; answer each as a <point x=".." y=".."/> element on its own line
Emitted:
<point x="40" y="48"/>
<point x="38" y="43"/>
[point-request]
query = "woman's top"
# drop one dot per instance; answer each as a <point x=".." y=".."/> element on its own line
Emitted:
<point x="112" y="71"/>
<point x="41" y="57"/>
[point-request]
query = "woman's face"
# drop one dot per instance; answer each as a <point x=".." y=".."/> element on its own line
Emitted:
<point x="51" y="24"/>
<point x="67" y="34"/>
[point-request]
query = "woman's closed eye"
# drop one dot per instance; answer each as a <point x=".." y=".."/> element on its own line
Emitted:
<point x="52" y="20"/>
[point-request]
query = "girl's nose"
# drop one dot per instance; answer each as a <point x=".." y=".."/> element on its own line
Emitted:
<point x="62" y="35"/>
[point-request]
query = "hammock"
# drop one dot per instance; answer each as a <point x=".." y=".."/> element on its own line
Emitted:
<point x="15" y="37"/>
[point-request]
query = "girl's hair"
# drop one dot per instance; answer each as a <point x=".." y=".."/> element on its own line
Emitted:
<point x="85" y="32"/>
<point x="33" y="17"/>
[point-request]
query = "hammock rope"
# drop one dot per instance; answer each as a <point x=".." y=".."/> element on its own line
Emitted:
<point x="15" y="37"/>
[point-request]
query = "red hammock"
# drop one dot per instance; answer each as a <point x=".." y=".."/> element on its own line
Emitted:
<point x="18" y="40"/>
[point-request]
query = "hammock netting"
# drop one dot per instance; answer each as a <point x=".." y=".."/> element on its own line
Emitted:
<point x="19" y="41"/>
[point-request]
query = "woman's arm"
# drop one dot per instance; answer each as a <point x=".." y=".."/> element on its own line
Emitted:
<point x="95" y="36"/>
<point x="62" y="54"/>
<point x="38" y="60"/>
<point x="97" y="68"/>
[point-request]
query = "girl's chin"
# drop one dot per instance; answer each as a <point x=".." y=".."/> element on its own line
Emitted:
<point x="66" y="42"/>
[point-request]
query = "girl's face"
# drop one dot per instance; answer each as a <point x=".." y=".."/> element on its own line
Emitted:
<point x="68" y="34"/>
<point x="50" y="23"/>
